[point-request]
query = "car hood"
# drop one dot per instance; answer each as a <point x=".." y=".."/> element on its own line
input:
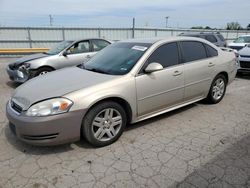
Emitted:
<point x="245" y="51"/>
<point x="237" y="44"/>
<point x="57" y="84"/>
<point x="29" y="58"/>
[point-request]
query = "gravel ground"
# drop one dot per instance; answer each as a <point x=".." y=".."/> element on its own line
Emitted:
<point x="199" y="145"/>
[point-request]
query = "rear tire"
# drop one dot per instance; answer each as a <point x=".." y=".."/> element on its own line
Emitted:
<point x="104" y="123"/>
<point x="217" y="89"/>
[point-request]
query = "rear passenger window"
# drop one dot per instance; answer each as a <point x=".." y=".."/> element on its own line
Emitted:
<point x="211" y="52"/>
<point x="99" y="44"/>
<point x="221" y="37"/>
<point x="193" y="51"/>
<point x="167" y="55"/>
<point x="211" y="38"/>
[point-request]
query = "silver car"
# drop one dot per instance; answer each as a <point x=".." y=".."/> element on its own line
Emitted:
<point x="127" y="82"/>
<point x="64" y="54"/>
<point x="214" y="37"/>
<point x="240" y="42"/>
<point x="244" y="59"/>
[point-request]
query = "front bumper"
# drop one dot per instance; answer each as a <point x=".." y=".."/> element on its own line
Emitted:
<point x="243" y="64"/>
<point x="46" y="131"/>
<point x="19" y="76"/>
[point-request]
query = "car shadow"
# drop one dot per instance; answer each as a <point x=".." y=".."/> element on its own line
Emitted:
<point x="160" y="117"/>
<point x="230" y="168"/>
<point x="12" y="84"/>
<point x="245" y="76"/>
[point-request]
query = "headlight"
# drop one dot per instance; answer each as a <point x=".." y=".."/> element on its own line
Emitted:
<point x="50" y="107"/>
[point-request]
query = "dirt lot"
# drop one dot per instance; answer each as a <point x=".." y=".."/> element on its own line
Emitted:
<point x="200" y="145"/>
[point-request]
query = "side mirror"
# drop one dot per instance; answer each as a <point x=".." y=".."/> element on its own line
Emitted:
<point x="152" y="67"/>
<point x="65" y="53"/>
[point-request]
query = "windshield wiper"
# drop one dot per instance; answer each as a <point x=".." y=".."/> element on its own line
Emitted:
<point x="81" y="66"/>
<point x="97" y="70"/>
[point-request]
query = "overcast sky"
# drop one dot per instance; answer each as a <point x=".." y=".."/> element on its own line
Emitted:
<point x="117" y="13"/>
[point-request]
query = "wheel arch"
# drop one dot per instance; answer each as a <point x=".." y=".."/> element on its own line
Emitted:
<point x="224" y="74"/>
<point x="45" y="66"/>
<point x="124" y="103"/>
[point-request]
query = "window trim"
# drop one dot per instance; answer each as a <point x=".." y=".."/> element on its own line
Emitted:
<point x="79" y="42"/>
<point x="216" y="40"/>
<point x="92" y="45"/>
<point x="140" y="72"/>
<point x="182" y="56"/>
<point x="204" y="44"/>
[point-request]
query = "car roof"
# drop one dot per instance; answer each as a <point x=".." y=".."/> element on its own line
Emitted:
<point x="206" y="33"/>
<point x="166" y="39"/>
<point x="244" y="36"/>
<point x="77" y="40"/>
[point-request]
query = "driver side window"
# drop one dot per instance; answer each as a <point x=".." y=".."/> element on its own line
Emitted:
<point x="167" y="55"/>
<point x="79" y="47"/>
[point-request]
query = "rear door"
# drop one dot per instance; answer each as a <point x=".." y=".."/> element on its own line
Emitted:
<point x="198" y="69"/>
<point x="164" y="88"/>
<point x="99" y="44"/>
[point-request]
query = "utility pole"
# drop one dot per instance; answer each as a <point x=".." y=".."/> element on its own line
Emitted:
<point x="167" y="17"/>
<point x="50" y="20"/>
<point x="133" y="28"/>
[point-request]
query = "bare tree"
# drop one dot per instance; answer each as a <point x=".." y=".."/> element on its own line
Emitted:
<point x="233" y="26"/>
<point x="248" y="27"/>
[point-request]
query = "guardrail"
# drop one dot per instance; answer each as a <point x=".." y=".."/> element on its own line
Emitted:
<point x="21" y="51"/>
<point x="25" y="40"/>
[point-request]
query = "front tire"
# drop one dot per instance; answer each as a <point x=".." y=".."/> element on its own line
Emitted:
<point x="217" y="89"/>
<point x="104" y="123"/>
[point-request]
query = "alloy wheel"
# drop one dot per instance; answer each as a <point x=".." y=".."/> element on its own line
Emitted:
<point x="218" y="89"/>
<point x="106" y="124"/>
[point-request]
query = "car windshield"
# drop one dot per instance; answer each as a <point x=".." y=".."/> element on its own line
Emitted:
<point x="117" y="59"/>
<point x="59" y="47"/>
<point x="243" y="39"/>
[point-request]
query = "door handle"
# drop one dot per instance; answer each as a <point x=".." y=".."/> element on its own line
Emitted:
<point x="177" y="73"/>
<point x="88" y="56"/>
<point x="210" y="64"/>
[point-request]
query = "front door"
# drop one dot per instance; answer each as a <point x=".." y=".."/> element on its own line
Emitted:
<point x="162" y="89"/>
<point x="76" y="54"/>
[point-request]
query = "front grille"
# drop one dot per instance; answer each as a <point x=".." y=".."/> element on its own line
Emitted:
<point x="12" y="66"/>
<point x="12" y="128"/>
<point x="245" y="56"/>
<point x="244" y="64"/>
<point x="236" y="47"/>
<point x="16" y="107"/>
<point x="40" y="137"/>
